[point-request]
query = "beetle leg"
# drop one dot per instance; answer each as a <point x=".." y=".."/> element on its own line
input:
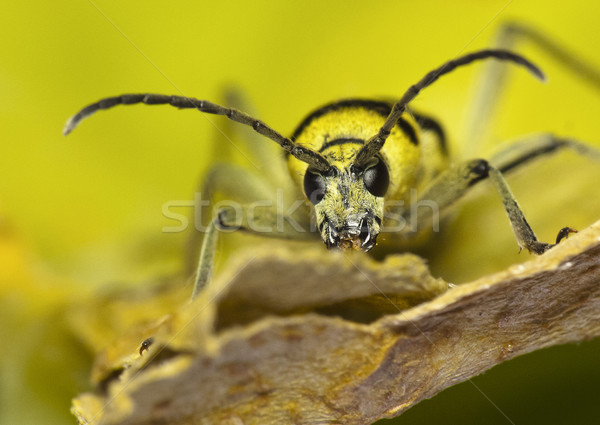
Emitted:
<point x="492" y="81"/>
<point x="455" y="182"/>
<point x="249" y="204"/>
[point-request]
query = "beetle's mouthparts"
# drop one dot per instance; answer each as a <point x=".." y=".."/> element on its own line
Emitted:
<point x="360" y="237"/>
<point x="350" y="242"/>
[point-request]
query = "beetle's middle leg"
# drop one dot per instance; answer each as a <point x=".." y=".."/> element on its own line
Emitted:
<point x="454" y="183"/>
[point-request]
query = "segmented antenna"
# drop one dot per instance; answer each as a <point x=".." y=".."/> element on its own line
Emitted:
<point x="375" y="143"/>
<point x="304" y="154"/>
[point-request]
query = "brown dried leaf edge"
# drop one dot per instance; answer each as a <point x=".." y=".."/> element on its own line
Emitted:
<point x="313" y="369"/>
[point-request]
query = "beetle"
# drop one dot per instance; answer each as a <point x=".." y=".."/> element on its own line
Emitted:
<point x="357" y="163"/>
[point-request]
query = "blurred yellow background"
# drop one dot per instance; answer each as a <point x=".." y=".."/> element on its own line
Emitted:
<point x="83" y="212"/>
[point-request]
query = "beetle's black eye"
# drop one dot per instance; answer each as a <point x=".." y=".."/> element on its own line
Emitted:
<point x="314" y="186"/>
<point x="377" y="179"/>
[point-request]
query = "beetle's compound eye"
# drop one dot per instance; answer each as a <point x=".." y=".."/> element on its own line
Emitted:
<point x="377" y="179"/>
<point x="314" y="186"/>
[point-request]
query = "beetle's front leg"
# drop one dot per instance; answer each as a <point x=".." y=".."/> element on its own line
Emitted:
<point x="454" y="183"/>
<point x="258" y="220"/>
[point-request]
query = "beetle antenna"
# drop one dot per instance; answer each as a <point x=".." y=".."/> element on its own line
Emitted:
<point x="300" y="152"/>
<point x="375" y="143"/>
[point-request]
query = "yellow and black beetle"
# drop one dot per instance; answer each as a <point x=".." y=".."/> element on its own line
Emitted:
<point x="359" y="163"/>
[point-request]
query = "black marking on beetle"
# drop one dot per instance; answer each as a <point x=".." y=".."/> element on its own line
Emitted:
<point x="382" y="108"/>
<point x="408" y="130"/>
<point x="429" y="124"/>
<point x="337" y="142"/>
<point x="531" y="155"/>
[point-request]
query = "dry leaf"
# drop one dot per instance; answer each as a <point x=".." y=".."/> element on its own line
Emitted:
<point x="303" y="337"/>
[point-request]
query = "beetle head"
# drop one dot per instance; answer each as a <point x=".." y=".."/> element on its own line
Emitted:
<point x="348" y="203"/>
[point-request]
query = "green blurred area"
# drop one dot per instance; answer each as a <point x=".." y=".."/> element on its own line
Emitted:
<point x="555" y="386"/>
<point x="83" y="213"/>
